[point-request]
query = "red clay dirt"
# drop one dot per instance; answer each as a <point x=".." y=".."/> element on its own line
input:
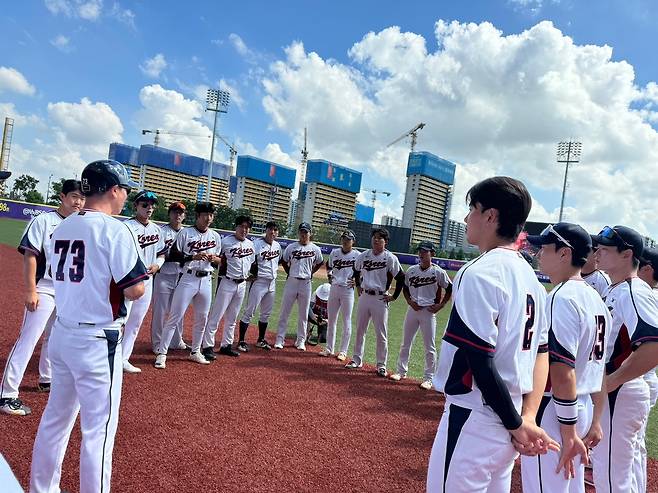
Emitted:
<point x="264" y="422"/>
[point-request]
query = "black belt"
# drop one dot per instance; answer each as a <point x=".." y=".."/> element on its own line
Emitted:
<point x="198" y="273"/>
<point x="236" y="281"/>
<point x="302" y="278"/>
<point x="373" y="292"/>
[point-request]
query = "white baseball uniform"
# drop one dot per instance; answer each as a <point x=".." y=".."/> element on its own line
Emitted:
<point x="376" y="273"/>
<point x="263" y="289"/>
<point x="424" y="289"/>
<point x="599" y="280"/>
<point x="302" y="259"/>
<point x="151" y="245"/>
<point x="195" y="284"/>
<point x="634" y="311"/>
<point x="237" y="257"/>
<point x="164" y="285"/>
<point x="498" y="313"/>
<point x="340" y="266"/>
<point x="94" y="258"/>
<point x="578" y="320"/>
<point x="36" y="240"/>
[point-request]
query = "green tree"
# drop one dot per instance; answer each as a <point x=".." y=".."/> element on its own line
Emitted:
<point x="33" y="197"/>
<point x="55" y="190"/>
<point x="22" y="186"/>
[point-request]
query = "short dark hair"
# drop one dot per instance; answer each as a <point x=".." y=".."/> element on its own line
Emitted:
<point x="69" y="186"/>
<point x="509" y="197"/>
<point x="243" y="219"/>
<point x="382" y="232"/>
<point x="202" y="207"/>
<point x="271" y="225"/>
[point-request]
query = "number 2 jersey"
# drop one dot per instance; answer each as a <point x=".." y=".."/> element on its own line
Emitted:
<point x="498" y="311"/>
<point x="94" y="258"/>
<point x="578" y="322"/>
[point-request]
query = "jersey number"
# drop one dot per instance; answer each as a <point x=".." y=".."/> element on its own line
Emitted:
<point x="77" y="250"/>
<point x="530" y="322"/>
<point x="599" y="342"/>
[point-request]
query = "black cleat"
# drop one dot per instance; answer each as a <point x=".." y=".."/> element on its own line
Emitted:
<point x="264" y="345"/>
<point x="242" y="346"/>
<point x="208" y="353"/>
<point x="14" y="406"/>
<point x="228" y="351"/>
<point x="43" y="387"/>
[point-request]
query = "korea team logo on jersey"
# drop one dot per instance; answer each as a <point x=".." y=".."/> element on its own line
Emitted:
<point x="270" y="254"/>
<point x="420" y="281"/>
<point x="168" y="243"/>
<point x="342" y="264"/>
<point x="148" y="240"/>
<point x="239" y="252"/>
<point x="370" y="265"/>
<point x="301" y="254"/>
<point x="201" y="246"/>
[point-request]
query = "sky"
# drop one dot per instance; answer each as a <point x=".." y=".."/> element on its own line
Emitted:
<point x="498" y="83"/>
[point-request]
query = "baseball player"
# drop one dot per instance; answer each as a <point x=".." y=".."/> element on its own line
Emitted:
<point x="631" y="352"/>
<point x="374" y="271"/>
<point x="317" y="315"/>
<point x="596" y="278"/>
<point x="424" y="284"/>
<point x="490" y="361"/>
<point x="340" y="273"/>
<point x="152" y="250"/>
<point x="573" y="401"/>
<point x="165" y="282"/>
<point x="237" y="255"/>
<point x="97" y="271"/>
<point x="300" y="260"/>
<point x="262" y="288"/>
<point x="39" y="315"/>
<point x="197" y="249"/>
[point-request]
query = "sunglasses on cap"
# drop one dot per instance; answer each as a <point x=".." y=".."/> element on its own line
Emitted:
<point x="611" y="234"/>
<point x="551" y="230"/>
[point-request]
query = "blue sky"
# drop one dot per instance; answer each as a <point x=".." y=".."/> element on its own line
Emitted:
<point x="109" y="52"/>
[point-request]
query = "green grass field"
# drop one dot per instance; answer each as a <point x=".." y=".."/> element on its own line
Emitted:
<point x="11" y="230"/>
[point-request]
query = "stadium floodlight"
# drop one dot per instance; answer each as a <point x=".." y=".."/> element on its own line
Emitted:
<point x="567" y="153"/>
<point x="216" y="101"/>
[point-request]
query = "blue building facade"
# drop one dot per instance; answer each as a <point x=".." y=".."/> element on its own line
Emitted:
<point x="265" y="171"/>
<point x="333" y="175"/>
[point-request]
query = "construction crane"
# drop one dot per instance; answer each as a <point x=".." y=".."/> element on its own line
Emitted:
<point x="302" y="168"/>
<point x="157" y="132"/>
<point x="374" y="194"/>
<point x="232" y="151"/>
<point x="413" y="133"/>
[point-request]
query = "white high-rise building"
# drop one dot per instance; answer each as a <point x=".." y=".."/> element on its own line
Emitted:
<point x="391" y="221"/>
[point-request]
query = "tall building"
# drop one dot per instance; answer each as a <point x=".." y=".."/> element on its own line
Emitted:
<point x="292" y="213"/>
<point x="265" y="188"/>
<point x="328" y="195"/>
<point x="391" y="221"/>
<point x="365" y="213"/>
<point x="428" y="196"/>
<point x="456" y="234"/>
<point x="173" y="175"/>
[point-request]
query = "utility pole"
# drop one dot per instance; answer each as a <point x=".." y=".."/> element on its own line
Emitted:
<point x="216" y="101"/>
<point x="567" y="153"/>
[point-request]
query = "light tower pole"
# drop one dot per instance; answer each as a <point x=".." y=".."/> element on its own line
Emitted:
<point x="216" y="101"/>
<point x="568" y="153"/>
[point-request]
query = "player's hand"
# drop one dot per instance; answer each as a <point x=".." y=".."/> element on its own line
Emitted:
<point x="572" y="446"/>
<point x="434" y="308"/>
<point x="359" y="290"/>
<point x="351" y="283"/>
<point x="31" y="301"/>
<point x="532" y="439"/>
<point x="200" y="256"/>
<point x="152" y="269"/>
<point x="611" y="382"/>
<point x="388" y="298"/>
<point x="415" y="306"/>
<point x="594" y="435"/>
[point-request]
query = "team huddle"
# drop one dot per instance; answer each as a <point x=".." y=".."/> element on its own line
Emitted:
<point x="564" y="379"/>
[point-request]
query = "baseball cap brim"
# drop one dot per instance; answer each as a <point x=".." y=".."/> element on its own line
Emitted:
<point x="600" y="240"/>
<point x="539" y="240"/>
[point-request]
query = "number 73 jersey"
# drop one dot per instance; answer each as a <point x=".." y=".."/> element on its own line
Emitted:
<point x="498" y="312"/>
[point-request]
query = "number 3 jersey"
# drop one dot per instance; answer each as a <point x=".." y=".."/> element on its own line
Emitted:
<point x="578" y="322"/>
<point x="498" y="311"/>
<point x="94" y="258"/>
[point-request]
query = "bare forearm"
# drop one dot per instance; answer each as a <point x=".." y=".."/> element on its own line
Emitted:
<point x="30" y="272"/>
<point x="638" y="363"/>
<point x="598" y="399"/>
<point x="532" y="400"/>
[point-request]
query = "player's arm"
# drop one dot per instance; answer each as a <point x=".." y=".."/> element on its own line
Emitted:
<point x="318" y="261"/>
<point x="643" y="359"/>
<point x="316" y="267"/>
<point x="599" y="400"/>
<point x="253" y="270"/>
<point x="399" y="285"/>
<point x="30" y="278"/>
<point x="329" y="265"/>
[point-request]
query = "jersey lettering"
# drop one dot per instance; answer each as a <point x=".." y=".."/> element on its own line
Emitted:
<point x="200" y="246"/>
<point x="240" y="252"/>
<point x="341" y="264"/>
<point x="420" y="281"/>
<point x="270" y="254"/>
<point x="599" y="342"/>
<point x="299" y="254"/>
<point x="77" y="248"/>
<point x="374" y="265"/>
<point x="530" y="322"/>
<point x="146" y="240"/>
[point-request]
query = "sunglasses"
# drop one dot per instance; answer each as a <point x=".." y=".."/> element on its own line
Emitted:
<point x="611" y="234"/>
<point x="551" y="230"/>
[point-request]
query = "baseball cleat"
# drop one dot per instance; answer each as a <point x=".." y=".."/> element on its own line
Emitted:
<point x="228" y="351"/>
<point x="325" y="352"/>
<point x="426" y="385"/>
<point x="182" y="346"/>
<point x="382" y="372"/>
<point x="161" y="361"/>
<point x="242" y="346"/>
<point x="301" y="347"/>
<point x="208" y="353"/>
<point x="341" y="356"/>
<point x="197" y="357"/>
<point x="43" y="387"/>
<point x="128" y="368"/>
<point x="278" y="346"/>
<point x="396" y="377"/>
<point x="352" y="365"/>
<point x="264" y="345"/>
<point x="14" y="406"/>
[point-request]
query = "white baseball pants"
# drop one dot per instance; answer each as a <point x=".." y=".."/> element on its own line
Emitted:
<point x="228" y="301"/>
<point x="261" y="293"/>
<point x="190" y="289"/>
<point x="341" y="299"/>
<point x="640" y="462"/>
<point x="135" y="318"/>
<point x="298" y="290"/>
<point x="413" y="321"/>
<point x="34" y="325"/>
<point x="87" y="376"/>
<point x="164" y="286"/>
<point x="371" y="307"/>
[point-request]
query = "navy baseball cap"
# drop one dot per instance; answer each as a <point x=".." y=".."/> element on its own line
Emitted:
<point x="649" y="257"/>
<point x="564" y="234"/>
<point x="100" y="176"/>
<point x="348" y="233"/>
<point x="621" y="237"/>
<point x="304" y="226"/>
<point x="146" y="196"/>
<point x="426" y="245"/>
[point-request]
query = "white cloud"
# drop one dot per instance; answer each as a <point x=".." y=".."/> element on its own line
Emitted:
<point x="126" y="16"/>
<point x="249" y="55"/>
<point x="153" y="67"/>
<point x="20" y="120"/>
<point x="11" y="80"/>
<point x="62" y="43"/>
<point x="493" y="103"/>
<point x="86" y="123"/>
<point x="85" y="9"/>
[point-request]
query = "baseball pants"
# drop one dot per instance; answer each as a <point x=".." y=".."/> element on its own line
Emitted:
<point x="295" y="290"/>
<point x="87" y="376"/>
<point x="613" y="459"/>
<point x="164" y="286"/>
<point x="135" y="318"/>
<point x="538" y="473"/>
<point x="34" y="325"/>
<point x="341" y="298"/>
<point x="261" y="293"/>
<point x="190" y="289"/>
<point x="640" y="462"/>
<point x="371" y="307"/>
<point x="472" y="453"/>
<point x="228" y="301"/>
<point x="413" y="321"/>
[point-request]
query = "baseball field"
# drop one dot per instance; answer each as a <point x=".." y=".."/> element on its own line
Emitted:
<point x="277" y="421"/>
